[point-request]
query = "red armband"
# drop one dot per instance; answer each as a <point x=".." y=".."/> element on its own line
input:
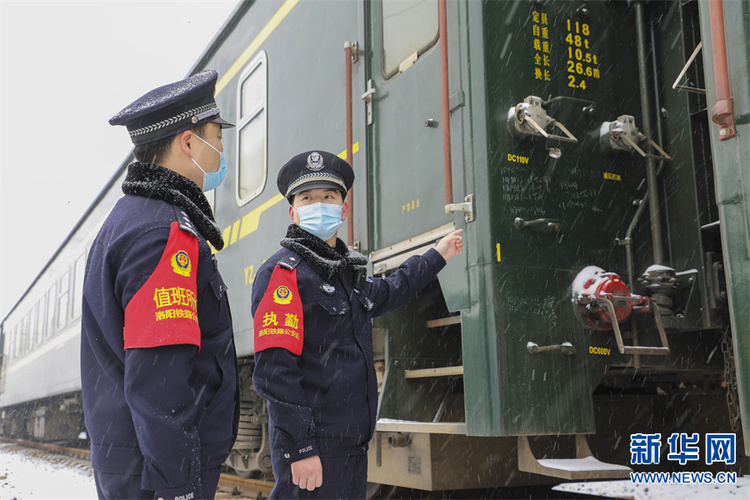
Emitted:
<point x="278" y="321"/>
<point x="165" y="309"/>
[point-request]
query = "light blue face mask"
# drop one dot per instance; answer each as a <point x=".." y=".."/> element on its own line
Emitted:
<point x="320" y="219"/>
<point x="211" y="180"/>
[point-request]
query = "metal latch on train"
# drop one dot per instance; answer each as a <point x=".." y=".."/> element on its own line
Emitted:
<point x="529" y="118"/>
<point x="367" y="97"/>
<point x="543" y="225"/>
<point x="623" y="135"/>
<point x="604" y="301"/>
<point x="467" y="207"/>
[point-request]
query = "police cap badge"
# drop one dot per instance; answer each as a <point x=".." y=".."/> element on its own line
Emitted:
<point x="314" y="169"/>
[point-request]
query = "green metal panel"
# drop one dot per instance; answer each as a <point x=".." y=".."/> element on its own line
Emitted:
<point x="521" y="283"/>
<point x="732" y="174"/>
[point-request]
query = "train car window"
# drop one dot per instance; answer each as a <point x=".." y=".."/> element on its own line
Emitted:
<point x="40" y="325"/>
<point x="11" y="346"/>
<point x="252" y="130"/>
<point x="28" y="330"/>
<point x="14" y="349"/>
<point x="23" y="334"/>
<point x="4" y="355"/>
<point x="51" y="296"/>
<point x="19" y="351"/>
<point x="63" y="300"/>
<point x="410" y="27"/>
<point x="78" y="272"/>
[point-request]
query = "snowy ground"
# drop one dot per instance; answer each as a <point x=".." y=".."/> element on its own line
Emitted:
<point x="627" y="490"/>
<point x="24" y="475"/>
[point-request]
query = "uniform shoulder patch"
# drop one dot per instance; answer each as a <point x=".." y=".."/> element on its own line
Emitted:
<point x="184" y="221"/>
<point x="289" y="262"/>
<point x="164" y="311"/>
<point x="278" y="321"/>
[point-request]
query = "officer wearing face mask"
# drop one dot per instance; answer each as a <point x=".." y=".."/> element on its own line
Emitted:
<point x="158" y="365"/>
<point x="312" y="307"/>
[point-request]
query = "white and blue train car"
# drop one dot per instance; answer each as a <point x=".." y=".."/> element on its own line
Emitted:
<point x="40" y="383"/>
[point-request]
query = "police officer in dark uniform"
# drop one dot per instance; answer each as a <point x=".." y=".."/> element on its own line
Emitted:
<point x="158" y="365"/>
<point x="312" y="306"/>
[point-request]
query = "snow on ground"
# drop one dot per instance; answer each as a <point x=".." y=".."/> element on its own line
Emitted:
<point x="627" y="490"/>
<point x="24" y="475"/>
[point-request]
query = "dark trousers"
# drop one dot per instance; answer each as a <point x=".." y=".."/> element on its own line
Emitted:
<point x="128" y="486"/>
<point x="343" y="477"/>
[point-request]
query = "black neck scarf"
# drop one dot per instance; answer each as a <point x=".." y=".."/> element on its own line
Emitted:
<point x="325" y="260"/>
<point x="153" y="181"/>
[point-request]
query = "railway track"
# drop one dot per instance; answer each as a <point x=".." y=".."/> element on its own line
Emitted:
<point x="230" y="486"/>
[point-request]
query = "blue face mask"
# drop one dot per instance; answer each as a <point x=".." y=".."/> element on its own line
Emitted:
<point x="211" y="180"/>
<point x="320" y="219"/>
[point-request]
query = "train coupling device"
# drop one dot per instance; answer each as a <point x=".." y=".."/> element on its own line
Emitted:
<point x="603" y="302"/>
<point x="529" y="118"/>
<point x="623" y="135"/>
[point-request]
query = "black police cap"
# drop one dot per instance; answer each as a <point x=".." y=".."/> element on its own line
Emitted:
<point x="172" y="108"/>
<point x="314" y="169"/>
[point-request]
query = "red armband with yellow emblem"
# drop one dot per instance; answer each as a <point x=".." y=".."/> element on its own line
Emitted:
<point x="165" y="309"/>
<point x="278" y="320"/>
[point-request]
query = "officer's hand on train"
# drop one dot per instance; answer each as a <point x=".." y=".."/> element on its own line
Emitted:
<point x="308" y="473"/>
<point x="451" y="245"/>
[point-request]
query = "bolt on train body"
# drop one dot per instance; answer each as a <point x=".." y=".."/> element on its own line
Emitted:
<point x="593" y="152"/>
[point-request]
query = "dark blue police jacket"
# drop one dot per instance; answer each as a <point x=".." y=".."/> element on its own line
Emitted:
<point x="160" y="381"/>
<point x="324" y="401"/>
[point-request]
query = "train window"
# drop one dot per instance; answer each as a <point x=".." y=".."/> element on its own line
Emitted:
<point x="78" y="272"/>
<point x="410" y="27"/>
<point x="28" y="330"/>
<point x="19" y="342"/>
<point x="40" y="325"/>
<point x="252" y="130"/>
<point x="51" y="297"/>
<point x="23" y="335"/>
<point x="12" y="346"/>
<point x="63" y="300"/>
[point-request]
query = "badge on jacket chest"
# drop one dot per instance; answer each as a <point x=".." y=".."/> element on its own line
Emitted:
<point x="282" y="295"/>
<point x="181" y="263"/>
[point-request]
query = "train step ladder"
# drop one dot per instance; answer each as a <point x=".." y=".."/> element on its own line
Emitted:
<point x="584" y="466"/>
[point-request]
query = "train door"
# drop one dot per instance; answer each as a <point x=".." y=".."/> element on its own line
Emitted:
<point x="403" y="95"/>
<point x="417" y="346"/>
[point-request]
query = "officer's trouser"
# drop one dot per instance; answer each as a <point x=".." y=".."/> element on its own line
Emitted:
<point x="343" y="477"/>
<point x="128" y="486"/>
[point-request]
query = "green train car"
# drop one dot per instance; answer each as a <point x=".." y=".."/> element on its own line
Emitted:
<point x="593" y="153"/>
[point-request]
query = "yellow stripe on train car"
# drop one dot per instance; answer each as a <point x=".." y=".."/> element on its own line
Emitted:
<point x="250" y="221"/>
<point x="255" y="45"/>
